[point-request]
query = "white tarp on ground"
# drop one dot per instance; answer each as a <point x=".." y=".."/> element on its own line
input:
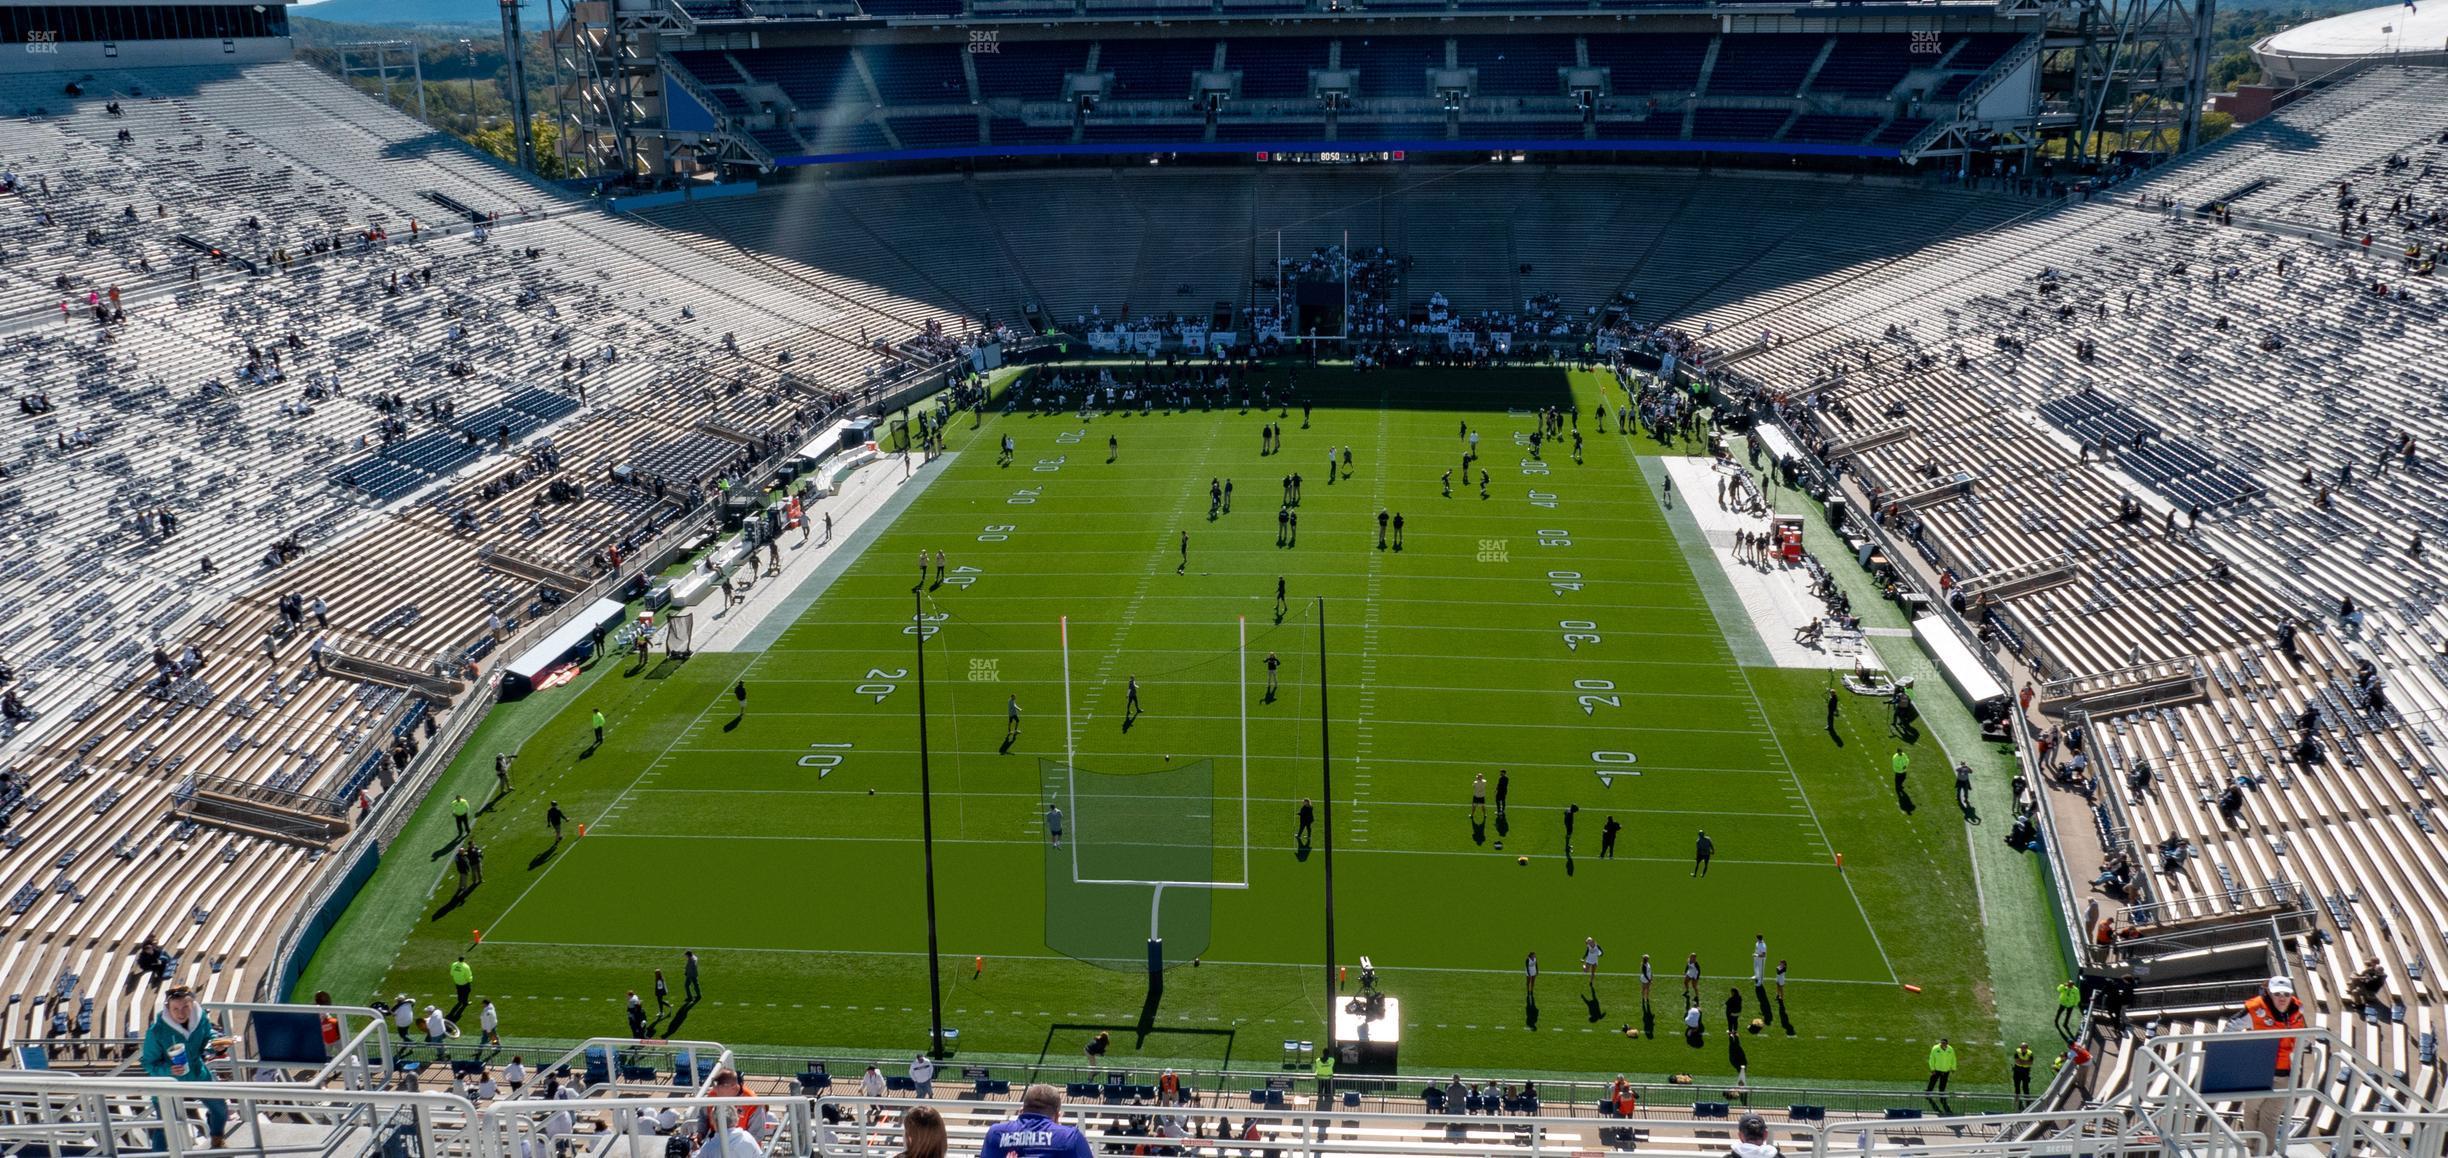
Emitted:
<point x="1777" y="597"/>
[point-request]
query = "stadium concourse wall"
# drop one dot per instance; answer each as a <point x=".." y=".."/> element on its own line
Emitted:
<point x="1439" y="145"/>
<point x="346" y="872"/>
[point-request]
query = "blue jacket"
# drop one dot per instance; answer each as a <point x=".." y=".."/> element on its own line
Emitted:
<point x="163" y="1031"/>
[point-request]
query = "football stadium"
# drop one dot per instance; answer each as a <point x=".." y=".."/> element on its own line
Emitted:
<point x="1489" y="576"/>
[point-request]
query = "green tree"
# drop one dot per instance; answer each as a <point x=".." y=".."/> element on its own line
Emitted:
<point x="498" y="140"/>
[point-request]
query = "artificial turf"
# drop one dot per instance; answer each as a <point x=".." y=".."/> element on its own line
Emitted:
<point x="1556" y="629"/>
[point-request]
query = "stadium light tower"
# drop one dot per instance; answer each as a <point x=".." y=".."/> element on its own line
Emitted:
<point x="514" y="54"/>
<point x="926" y="830"/>
<point x="1326" y="799"/>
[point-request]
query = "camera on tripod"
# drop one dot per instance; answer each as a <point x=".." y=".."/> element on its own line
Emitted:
<point x="1370" y="1004"/>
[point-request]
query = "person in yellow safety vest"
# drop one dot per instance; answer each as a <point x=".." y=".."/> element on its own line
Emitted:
<point x="463" y="980"/>
<point x="1941" y="1065"/>
<point x="2274" y="1007"/>
<point x="1900" y="763"/>
<point x="2022" y="1074"/>
<point x="2069" y="1006"/>
<point x="1325" y="1075"/>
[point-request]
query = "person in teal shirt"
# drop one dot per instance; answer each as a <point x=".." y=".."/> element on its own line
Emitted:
<point x="174" y="1048"/>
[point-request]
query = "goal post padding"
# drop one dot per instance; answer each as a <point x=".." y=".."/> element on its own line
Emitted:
<point x="1123" y="835"/>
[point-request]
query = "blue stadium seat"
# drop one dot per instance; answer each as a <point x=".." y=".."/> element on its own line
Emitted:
<point x="1393" y="66"/>
<point x="1650" y="63"/>
<point x="1154" y="70"/>
<point x="1867" y="66"/>
<point x="1031" y="70"/>
<point x="1518" y="65"/>
<point x="917" y="74"/>
<point x="1763" y="64"/>
<point x="1275" y="68"/>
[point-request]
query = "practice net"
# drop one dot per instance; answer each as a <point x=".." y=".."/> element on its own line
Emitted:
<point x="680" y="635"/>
<point x="1138" y="853"/>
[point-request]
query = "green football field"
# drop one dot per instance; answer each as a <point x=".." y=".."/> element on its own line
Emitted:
<point x="1555" y="629"/>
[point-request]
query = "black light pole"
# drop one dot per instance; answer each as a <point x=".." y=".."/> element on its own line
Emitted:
<point x="1334" y="989"/>
<point x="926" y="824"/>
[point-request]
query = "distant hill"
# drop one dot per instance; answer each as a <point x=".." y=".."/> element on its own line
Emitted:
<point x="481" y="13"/>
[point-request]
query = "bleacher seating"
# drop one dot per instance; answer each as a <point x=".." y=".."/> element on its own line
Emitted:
<point x="1771" y="64"/>
<point x="1154" y="70"/>
<point x="1865" y="65"/>
<point x="514" y="331"/>
<point x="1754" y="99"/>
<point x="1275" y="68"/>
<point x="2242" y="378"/>
<point x="917" y="74"/>
<point x="1030" y="70"/>
<point x="627" y="315"/>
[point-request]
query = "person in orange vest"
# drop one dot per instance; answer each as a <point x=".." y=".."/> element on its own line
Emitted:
<point x="2274" y="1007"/>
<point x="1168" y="1089"/>
<point x="1625" y="1102"/>
<point x="716" y="1123"/>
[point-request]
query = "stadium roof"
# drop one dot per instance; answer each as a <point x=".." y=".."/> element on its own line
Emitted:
<point x="2390" y="31"/>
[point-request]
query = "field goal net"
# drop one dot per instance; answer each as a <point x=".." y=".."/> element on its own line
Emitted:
<point x="1132" y="882"/>
<point x="680" y="636"/>
<point x="1138" y="861"/>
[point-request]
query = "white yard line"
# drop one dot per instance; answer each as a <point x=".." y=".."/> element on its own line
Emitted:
<point x="1033" y="842"/>
<point x="1510" y="971"/>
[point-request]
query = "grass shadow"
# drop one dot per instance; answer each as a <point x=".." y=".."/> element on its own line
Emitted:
<point x="1085" y="1030"/>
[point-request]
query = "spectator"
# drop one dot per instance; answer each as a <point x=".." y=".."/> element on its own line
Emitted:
<point x="1751" y="1139"/>
<point x="175" y="1047"/>
<point x="2274" y="1007"/>
<point x="1038" y="1132"/>
<point x="730" y="1131"/>
<point x="922" y="1134"/>
<point x="872" y="1086"/>
<point x="150" y="960"/>
<point x="2365" y="986"/>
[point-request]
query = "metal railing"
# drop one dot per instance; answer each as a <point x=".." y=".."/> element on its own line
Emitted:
<point x="335" y="1099"/>
<point x="49" y="1113"/>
